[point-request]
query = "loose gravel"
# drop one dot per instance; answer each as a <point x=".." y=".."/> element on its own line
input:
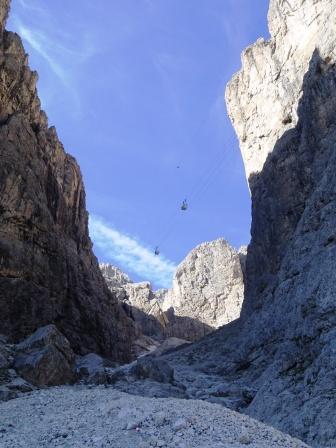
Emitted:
<point x="98" y="417"/>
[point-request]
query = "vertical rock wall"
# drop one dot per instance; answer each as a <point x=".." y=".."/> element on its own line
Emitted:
<point x="283" y="106"/>
<point x="48" y="273"/>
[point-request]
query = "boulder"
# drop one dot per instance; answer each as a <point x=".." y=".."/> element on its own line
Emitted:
<point x="169" y="345"/>
<point x="153" y="369"/>
<point x="11" y="385"/>
<point x="45" y="358"/>
<point x="93" y="369"/>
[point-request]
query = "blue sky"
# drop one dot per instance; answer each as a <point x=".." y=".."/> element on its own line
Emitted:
<point x="135" y="89"/>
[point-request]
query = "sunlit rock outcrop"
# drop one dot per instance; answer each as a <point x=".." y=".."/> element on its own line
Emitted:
<point x="207" y="292"/>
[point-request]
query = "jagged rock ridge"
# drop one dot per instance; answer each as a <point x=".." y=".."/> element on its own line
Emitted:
<point x="48" y="273"/>
<point x="113" y="276"/>
<point x="207" y="292"/>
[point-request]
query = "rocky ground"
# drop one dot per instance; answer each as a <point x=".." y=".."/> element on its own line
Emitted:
<point x="100" y="417"/>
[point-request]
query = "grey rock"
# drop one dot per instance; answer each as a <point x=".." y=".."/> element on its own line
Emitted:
<point x="20" y="385"/>
<point x="4" y="362"/>
<point x="11" y="385"/>
<point x="207" y="292"/>
<point x="4" y="9"/>
<point x="145" y="309"/>
<point x="145" y="345"/>
<point x="7" y="394"/>
<point x="113" y="276"/>
<point x="180" y="424"/>
<point x="93" y="369"/>
<point x="45" y="358"/>
<point x="141" y="306"/>
<point x="153" y="369"/>
<point x="97" y="417"/>
<point x="169" y="345"/>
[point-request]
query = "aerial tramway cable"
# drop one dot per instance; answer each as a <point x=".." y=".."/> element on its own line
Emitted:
<point x="199" y="188"/>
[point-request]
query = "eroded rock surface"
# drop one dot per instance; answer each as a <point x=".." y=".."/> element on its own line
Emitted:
<point x="207" y="292"/>
<point x="11" y="384"/>
<point x="113" y="276"/>
<point x="48" y="273"/>
<point x="263" y="98"/>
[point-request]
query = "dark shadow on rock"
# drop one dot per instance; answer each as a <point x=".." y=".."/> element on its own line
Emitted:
<point x="281" y="189"/>
<point x="182" y="327"/>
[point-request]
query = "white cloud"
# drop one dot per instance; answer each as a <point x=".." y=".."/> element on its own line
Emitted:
<point x="30" y="6"/>
<point x="38" y="41"/>
<point x="131" y="254"/>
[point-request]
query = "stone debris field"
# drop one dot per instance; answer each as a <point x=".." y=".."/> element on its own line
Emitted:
<point x="99" y="417"/>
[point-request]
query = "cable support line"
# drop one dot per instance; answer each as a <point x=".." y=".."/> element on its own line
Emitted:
<point x="199" y="188"/>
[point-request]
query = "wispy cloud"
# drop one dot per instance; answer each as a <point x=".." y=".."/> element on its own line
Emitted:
<point x="30" y="6"/>
<point x="38" y="41"/>
<point x="131" y="254"/>
<point x="61" y="53"/>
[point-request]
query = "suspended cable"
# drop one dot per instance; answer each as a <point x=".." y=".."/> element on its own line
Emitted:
<point x="199" y="188"/>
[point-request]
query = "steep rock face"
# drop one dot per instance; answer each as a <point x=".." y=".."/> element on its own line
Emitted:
<point x="4" y="8"/>
<point x="263" y="98"/>
<point x="207" y="292"/>
<point x="48" y="273"/>
<point x="145" y="309"/>
<point x="138" y="300"/>
<point x="277" y="362"/>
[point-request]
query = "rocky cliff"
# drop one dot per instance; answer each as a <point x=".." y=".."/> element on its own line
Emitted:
<point x="277" y="362"/>
<point x="207" y="292"/>
<point x="48" y="273"/>
<point x="113" y="276"/>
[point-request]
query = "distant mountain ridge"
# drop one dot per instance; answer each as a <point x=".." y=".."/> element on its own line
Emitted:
<point x="207" y="292"/>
